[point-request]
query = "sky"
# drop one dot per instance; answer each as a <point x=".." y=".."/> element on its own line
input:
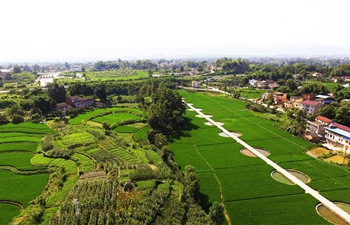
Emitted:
<point x="73" y="30"/>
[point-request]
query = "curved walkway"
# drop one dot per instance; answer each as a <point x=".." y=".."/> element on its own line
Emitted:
<point x="308" y="190"/>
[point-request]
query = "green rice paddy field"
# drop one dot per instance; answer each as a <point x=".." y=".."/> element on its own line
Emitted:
<point x="250" y="194"/>
<point x="116" y="118"/>
<point x="84" y="117"/>
<point x="18" y="142"/>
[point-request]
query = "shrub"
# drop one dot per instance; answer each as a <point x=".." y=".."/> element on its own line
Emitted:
<point x="17" y="119"/>
<point x="143" y="172"/>
<point x="47" y="143"/>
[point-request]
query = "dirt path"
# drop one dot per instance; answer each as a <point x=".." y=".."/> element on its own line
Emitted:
<point x="19" y="205"/>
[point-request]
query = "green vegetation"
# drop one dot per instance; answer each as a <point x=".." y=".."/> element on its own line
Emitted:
<point x="7" y="212"/>
<point x="98" y="112"/>
<point x="116" y="118"/>
<point x="221" y="166"/>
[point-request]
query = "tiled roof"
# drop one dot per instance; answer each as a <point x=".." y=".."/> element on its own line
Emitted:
<point x="61" y="105"/>
<point x="308" y="102"/>
<point x="323" y="119"/>
<point x="342" y="127"/>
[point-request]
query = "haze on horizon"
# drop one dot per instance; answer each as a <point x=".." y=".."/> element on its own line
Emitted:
<point x="40" y="30"/>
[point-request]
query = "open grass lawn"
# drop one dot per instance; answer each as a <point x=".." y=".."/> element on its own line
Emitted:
<point x="250" y="194"/>
<point x="21" y="188"/>
<point x="85" y="116"/>
<point x="20" y="160"/>
<point x="7" y="212"/>
<point x="116" y="118"/>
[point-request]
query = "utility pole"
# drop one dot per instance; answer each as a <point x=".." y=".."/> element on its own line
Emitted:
<point x="76" y="203"/>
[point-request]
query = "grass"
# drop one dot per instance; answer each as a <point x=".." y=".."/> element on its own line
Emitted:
<point x="141" y="134"/>
<point x="117" y="75"/>
<point x="250" y="194"/>
<point x="23" y="146"/>
<point x="116" y="118"/>
<point x="21" y="188"/>
<point x="251" y="93"/>
<point x="85" y="116"/>
<point x="125" y="129"/>
<point x="19" y="139"/>
<point x="7" y="212"/>
<point x="75" y="138"/>
<point x="20" y="160"/>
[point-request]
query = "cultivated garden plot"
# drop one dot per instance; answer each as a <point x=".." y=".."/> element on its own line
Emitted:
<point x="250" y="194"/>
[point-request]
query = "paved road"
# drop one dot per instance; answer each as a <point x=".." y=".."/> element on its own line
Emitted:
<point x="308" y="190"/>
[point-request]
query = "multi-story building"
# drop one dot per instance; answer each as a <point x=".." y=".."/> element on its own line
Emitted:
<point x="318" y="126"/>
<point x="310" y="107"/>
<point x="338" y="136"/>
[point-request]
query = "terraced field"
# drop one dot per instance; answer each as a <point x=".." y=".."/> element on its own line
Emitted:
<point x="250" y="194"/>
<point x="86" y="116"/>
<point x="116" y="118"/>
<point x="19" y="181"/>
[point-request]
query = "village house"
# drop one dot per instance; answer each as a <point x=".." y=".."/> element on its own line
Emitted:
<point x="310" y="107"/>
<point x="195" y="84"/>
<point x="318" y="126"/>
<point x="308" y="96"/>
<point x="324" y="99"/>
<point x="294" y="102"/>
<point x="280" y="98"/>
<point x="100" y="105"/>
<point x="338" y="137"/>
<point x="64" y="107"/>
<point x="77" y="102"/>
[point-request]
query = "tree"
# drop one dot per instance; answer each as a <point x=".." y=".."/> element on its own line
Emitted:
<point x="56" y="92"/>
<point x="16" y="69"/>
<point x="166" y="109"/>
<point x="160" y="140"/>
<point x="17" y="119"/>
<point x="100" y="92"/>
<point x="342" y="115"/>
<point x="3" y="119"/>
<point x="191" y="184"/>
<point x="216" y="213"/>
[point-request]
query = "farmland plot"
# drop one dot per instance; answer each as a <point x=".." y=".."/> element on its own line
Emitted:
<point x="250" y="194"/>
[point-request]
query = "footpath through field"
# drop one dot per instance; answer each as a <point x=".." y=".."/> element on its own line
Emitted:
<point x="308" y="190"/>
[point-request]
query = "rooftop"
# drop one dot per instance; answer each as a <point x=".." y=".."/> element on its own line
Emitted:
<point x="340" y="131"/>
<point x="323" y="119"/>
<point x="313" y="103"/>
